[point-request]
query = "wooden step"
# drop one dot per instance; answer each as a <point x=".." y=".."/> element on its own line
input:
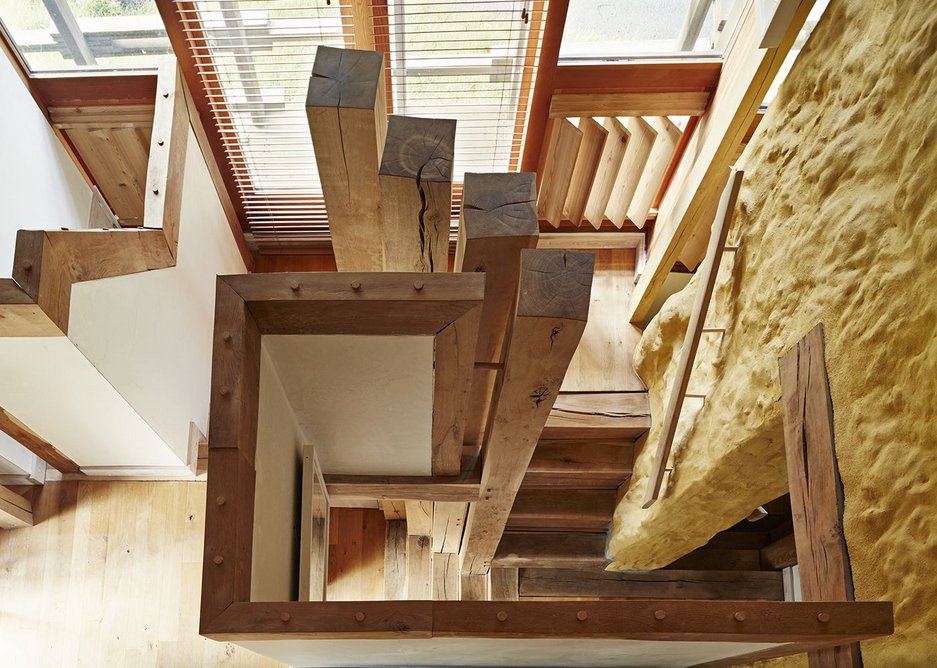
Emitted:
<point x="670" y="584"/>
<point x="587" y="510"/>
<point x="585" y="170"/>
<point x="580" y="551"/>
<point x="598" y="415"/>
<point x="580" y="464"/>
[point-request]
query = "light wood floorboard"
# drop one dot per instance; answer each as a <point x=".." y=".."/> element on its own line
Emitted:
<point x="109" y="576"/>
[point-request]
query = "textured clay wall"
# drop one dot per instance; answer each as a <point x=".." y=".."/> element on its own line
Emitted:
<point x="838" y="224"/>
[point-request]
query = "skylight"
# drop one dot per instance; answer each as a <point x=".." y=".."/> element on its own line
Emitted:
<point x="604" y="30"/>
<point x="85" y="35"/>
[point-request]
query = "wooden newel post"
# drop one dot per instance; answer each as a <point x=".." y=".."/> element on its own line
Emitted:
<point x="816" y="488"/>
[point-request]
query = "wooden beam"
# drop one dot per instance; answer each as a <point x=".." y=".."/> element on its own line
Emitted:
<point x="642" y="137"/>
<point x="746" y="76"/>
<point x="568" y="105"/>
<point x="345" y="107"/>
<point x="475" y="587"/>
<point x="313" y="530"/>
<point x="395" y="561"/>
<point x="33" y="442"/>
<point x="15" y="511"/>
<point x="581" y="551"/>
<point x="562" y="510"/>
<point x="448" y="524"/>
<point x="613" y="153"/>
<point x="604" y="361"/>
<point x="588" y="160"/>
<point x="416" y="192"/>
<point x="579" y="464"/>
<point x="446" y="577"/>
<point x="537" y="122"/>
<point x="816" y="487"/>
<point x="497" y="220"/>
<point x="392" y="488"/>
<point x="782" y="553"/>
<point x="419" y="568"/>
<point x="504" y="584"/>
<point x="394" y="509"/>
<point x="668" y="584"/>
<point x="708" y="273"/>
<point x="165" y="170"/>
<point x="662" y="152"/>
<point x="559" y="161"/>
<point x="552" y="307"/>
<point x="419" y="518"/>
<point x="598" y="415"/>
<point x="699" y="74"/>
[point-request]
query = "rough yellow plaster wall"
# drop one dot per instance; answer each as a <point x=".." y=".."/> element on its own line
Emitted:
<point x="838" y="224"/>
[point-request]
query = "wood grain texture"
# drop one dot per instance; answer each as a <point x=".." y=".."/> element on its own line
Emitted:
<point x="708" y="274"/>
<point x="613" y="153"/>
<point x="356" y="555"/>
<point x="448" y="524"/>
<point x="504" y="584"/>
<point x="581" y="551"/>
<point x="604" y="360"/>
<point x="419" y="568"/>
<point x="16" y="512"/>
<point x="124" y="559"/>
<point x="552" y="305"/>
<point x="345" y="108"/>
<point x="33" y="442"/>
<point x="587" y="510"/>
<point x="747" y="73"/>
<point x="585" y="170"/>
<point x="475" y="587"/>
<point x="416" y="191"/>
<point x="393" y="488"/>
<point x="639" y="76"/>
<point x="453" y="373"/>
<point x="641" y="140"/>
<point x="498" y="219"/>
<point x="165" y="170"/>
<point x="816" y="488"/>
<point x="419" y="518"/>
<point x="559" y="160"/>
<point x="446" y="586"/>
<point x="669" y="584"/>
<point x="395" y="561"/>
<point x="782" y="553"/>
<point x="566" y="105"/>
<point x="655" y="168"/>
<point x="598" y="415"/>
<point x="579" y="464"/>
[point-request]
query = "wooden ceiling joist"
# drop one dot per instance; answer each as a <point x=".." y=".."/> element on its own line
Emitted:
<point x="552" y="308"/>
<point x="560" y="509"/>
<point x="416" y="193"/>
<point x="392" y="488"/>
<point x="662" y="152"/>
<point x="598" y="415"/>
<point x="639" y="76"/>
<point x="347" y="117"/>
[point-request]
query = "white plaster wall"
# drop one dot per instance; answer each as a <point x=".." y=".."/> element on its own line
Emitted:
<point x="49" y="385"/>
<point x="150" y="334"/>
<point x="278" y="468"/>
<point x="40" y="186"/>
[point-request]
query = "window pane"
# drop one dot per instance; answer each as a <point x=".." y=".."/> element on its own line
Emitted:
<point x="86" y="34"/>
<point x="610" y="29"/>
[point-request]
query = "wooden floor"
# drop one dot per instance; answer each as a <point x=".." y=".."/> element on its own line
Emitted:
<point x="109" y="576"/>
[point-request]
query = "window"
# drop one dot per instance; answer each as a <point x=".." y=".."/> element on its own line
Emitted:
<point x="85" y="35"/>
